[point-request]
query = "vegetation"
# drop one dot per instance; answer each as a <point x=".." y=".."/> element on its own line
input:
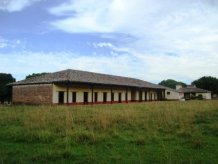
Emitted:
<point x="152" y="132"/>
<point x="36" y="74"/>
<point x="171" y="83"/>
<point x="208" y="83"/>
<point x="4" y="90"/>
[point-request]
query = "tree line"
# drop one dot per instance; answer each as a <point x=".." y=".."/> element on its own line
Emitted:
<point x="206" y="82"/>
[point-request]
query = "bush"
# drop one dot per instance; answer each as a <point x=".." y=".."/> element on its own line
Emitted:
<point x="198" y="97"/>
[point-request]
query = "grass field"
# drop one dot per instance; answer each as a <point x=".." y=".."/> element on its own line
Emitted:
<point x="153" y="132"/>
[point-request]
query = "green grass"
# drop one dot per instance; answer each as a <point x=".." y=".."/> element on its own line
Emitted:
<point x="153" y="132"/>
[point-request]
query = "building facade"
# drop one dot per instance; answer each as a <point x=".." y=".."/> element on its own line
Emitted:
<point x="80" y="87"/>
<point x="188" y="92"/>
<point x="171" y="94"/>
<point x="192" y="92"/>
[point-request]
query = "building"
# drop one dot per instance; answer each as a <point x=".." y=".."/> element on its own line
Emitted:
<point x="188" y="92"/>
<point x="171" y="94"/>
<point x="81" y="87"/>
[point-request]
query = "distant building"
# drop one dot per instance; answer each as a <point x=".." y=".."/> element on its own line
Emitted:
<point x="171" y="94"/>
<point x="81" y="87"/>
<point x="192" y="91"/>
<point x="188" y="92"/>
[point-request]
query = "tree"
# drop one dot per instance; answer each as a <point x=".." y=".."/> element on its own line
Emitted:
<point x="36" y="74"/>
<point x="207" y="82"/>
<point x="171" y="83"/>
<point x="4" y="89"/>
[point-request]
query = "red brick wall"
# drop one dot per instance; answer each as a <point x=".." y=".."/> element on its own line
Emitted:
<point x="32" y="94"/>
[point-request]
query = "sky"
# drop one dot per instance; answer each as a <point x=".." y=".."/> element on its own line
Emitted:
<point x="152" y="40"/>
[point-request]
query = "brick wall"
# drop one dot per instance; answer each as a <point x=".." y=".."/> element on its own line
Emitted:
<point x="32" y="94"/>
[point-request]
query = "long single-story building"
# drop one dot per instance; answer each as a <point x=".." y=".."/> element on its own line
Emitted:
<point x="81" y="87"/>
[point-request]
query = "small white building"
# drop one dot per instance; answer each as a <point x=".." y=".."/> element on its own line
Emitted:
<point x="188" y="92"/>
<point x="171" y="94"/>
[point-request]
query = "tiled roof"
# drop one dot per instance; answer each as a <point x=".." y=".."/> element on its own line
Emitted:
<point x="76" y="76"/>
<point x="189" y="89"/>
<point x="192" y="90"/>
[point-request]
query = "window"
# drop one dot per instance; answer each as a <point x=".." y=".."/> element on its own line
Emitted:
<point x="168" y="93"/>
<point x="74" y="97"/>
<point x="96" y="97"/>
<point x="104" y="97"/>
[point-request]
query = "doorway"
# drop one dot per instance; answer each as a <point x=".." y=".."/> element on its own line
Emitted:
<point x="140" y="96"/>
<point x="120" y="97"/>
<point x="61" y="97"/>
<point x="74" y="97"/>
<point x="104" y="97"/>
<point x="145" y="96"/>
<point x="133" y="95"/>
<point x="85" y="98"/>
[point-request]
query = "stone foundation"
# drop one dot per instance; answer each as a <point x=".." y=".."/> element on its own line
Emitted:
<point x="32" y="94"/>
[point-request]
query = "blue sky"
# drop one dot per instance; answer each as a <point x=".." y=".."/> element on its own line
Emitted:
<point x="151" y="40"/>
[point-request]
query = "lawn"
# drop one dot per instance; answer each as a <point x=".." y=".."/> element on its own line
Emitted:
<point x="152" y="132"/>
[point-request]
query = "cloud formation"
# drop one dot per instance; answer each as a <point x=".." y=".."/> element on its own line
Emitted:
<point x="172" y="36"/>
<point x="55" y="61"/>
<point x="147" y="39"/>
<point x="15" y="5"/>
<point x="4" y="43"/>
<point x="172" y="25"/>
<point x="125" y="63"/>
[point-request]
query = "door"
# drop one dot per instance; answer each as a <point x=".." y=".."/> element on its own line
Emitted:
<point x="187" y="96"/>
<point x="150" y="97"/>
<point x="85" y="98"/>
<point x="145" y="96"/>
<point x="104" y="97"/>
<point x="120" y="97"/>
<point x="133" y="95"/>
<point x="112" y="96"/>
<point x="61" y="97"/>
<point x="140" y="96"/>
<point x="74" y="97"/>
<point x="96" y="96"/>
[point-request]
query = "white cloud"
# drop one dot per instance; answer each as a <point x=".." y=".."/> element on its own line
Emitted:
<point x="147" y="67"/>
<point x="32" y="62"/>
<point x="170" y="25"/>
<point x="5" y="43"/>
<point x="172" y="39"/>
<point x="15" y="5"/>
<point x="103" y="44"/>
<point x="93" y="15"/>
<point x="112" y="47"/>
